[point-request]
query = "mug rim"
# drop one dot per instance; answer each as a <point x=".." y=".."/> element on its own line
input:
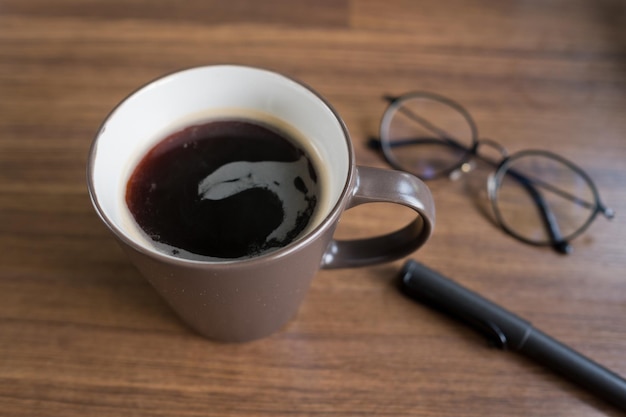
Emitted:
<point x="294" y="246"/>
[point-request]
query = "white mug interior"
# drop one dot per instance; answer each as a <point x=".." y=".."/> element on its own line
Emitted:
<point x="191" y="96"/>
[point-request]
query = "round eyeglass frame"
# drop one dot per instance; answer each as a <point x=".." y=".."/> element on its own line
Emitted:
<point x="494" y="183"/>
<point x="558" y="242"/>
<point x="396" y="102"/>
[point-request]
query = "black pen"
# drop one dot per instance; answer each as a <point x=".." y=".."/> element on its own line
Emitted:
<point x="509" y="331"/>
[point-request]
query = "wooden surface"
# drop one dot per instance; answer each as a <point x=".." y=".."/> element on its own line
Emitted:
<point x="83" y="334"/>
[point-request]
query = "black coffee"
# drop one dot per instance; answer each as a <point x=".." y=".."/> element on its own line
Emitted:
<point x="224" y="189"/>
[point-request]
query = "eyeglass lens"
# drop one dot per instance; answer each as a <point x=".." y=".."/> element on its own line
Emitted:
<point x="546" y="182"/>
<point x="426" y="137"/>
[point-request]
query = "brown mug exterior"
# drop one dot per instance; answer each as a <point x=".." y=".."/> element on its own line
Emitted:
<point x="242" y="300"/>
<point x="245" y="300"/>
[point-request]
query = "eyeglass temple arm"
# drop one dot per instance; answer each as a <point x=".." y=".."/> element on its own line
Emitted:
<point x="376" y="144"/>
<point x="549" y="221"/>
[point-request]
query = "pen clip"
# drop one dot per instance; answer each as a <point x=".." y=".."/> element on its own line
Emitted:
<point x="432" y="289"/>
<point x="495" y="336"/>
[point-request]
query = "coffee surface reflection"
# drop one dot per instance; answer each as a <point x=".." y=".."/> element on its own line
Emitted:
<point x="224" y="189"/>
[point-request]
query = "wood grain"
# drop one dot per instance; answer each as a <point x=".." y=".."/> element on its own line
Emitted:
<point x="82" y="333"/>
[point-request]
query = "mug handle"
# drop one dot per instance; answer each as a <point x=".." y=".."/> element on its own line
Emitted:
<point x="388" y="186"/>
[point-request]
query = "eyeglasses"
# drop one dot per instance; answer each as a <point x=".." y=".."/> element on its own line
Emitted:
<point x="538" y="197"/>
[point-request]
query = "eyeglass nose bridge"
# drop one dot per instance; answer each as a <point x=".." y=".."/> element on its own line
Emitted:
<point x="486" y="142"/>
<point x="469" y="164"/>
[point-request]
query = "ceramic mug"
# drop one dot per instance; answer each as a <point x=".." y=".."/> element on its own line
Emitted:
<point x="246" y="299"/>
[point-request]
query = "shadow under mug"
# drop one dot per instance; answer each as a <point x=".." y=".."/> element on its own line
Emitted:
<point x="246" y="299"/>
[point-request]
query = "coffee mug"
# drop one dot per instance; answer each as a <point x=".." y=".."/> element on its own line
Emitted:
<point x="247" y="297"/>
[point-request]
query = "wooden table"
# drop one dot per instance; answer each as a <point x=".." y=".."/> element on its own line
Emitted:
<point x="83" y="334"/>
